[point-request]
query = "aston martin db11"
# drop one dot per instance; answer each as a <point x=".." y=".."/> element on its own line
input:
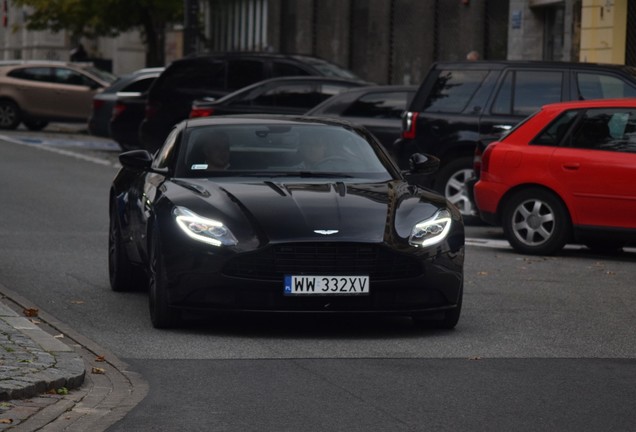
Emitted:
<point x="283" y="214"/>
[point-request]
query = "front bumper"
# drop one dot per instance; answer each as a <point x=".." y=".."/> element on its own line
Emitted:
<point x="206" y="283"/>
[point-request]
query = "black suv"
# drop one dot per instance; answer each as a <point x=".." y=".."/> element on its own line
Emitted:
<point x="462" y="103"/>
<point x="214" y="75"/>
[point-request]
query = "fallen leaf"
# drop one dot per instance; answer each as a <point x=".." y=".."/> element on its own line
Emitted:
<point x="31" y="312"/>
<point x="77" y="301"/>
<point x="100" y="358"/>
<point x="62" y="391"/>
<point x="60" y="336"/>
<point x="482" y="273"/>
<point x="6" y="421"/>
<point x="98" y="371"/>
<point x="610" y="273"/>
<point x="474" y="358"/>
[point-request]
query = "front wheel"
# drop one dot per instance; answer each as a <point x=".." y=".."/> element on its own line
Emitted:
<point x="161" y="314"/>
<point x="451" y="182"/>
<point x="10" y="116"/>
<point x="124" y="276"/>
<point x="536" y="222"/>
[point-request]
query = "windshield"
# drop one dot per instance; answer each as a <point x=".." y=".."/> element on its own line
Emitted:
<point x="278" y="150"/>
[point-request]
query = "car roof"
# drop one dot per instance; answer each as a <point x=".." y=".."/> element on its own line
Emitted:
<point x="265" y="119"/>
<point x="283" y="80"/>
<point x="592" y="103"/>
<point x="502" y="64"/>
<point x="44" y="62"/>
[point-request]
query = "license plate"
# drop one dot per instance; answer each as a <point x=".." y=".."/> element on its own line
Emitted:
<point x="326" y="285"/>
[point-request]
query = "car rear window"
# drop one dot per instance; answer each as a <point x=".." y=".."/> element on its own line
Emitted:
<point x="601" y="86"/>
<point x="388" y="105"/>
<point x="453" y="90"/>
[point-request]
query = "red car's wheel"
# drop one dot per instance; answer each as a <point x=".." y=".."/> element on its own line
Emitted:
<point x="536" y="222"/>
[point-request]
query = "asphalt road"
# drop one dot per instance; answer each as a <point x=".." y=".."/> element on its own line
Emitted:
<point x="543" y="343"/>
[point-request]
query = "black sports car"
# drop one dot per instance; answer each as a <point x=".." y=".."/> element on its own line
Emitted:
<point x="286" y="214"/>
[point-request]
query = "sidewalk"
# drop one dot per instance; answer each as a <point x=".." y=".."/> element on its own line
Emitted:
<point x="32" y="363"/>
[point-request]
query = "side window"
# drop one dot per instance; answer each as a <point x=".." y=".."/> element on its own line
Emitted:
<point x="612" y="129"/>
<point x="166" y="152"/>
<point x="194" y="77"/>
<point x="523" y="92"/>
<point x="244" y="72"/>
<point x="70" y="77"/>
<point x="379" y="105"/>
<point x="280" y="69"/>
<point x="453" y="90"/>
<point x="325" y="91"/>
<point x="599" y="86"/>
<point x="555" y="132"/>
<point x="41" y="74"/>
<point x="290" y="95"/>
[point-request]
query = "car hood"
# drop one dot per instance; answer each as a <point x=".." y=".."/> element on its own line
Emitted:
<point x="306" y="211"/>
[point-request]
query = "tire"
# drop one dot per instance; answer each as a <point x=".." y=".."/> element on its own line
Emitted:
<point x="35" y="125"/>
<point x="451" y="180"/>
<point x="536" y="222"/>
<point x="123" y="275"/>
<point x="162" y="315"/>
<point x="448" y="321"/>
<point x="10" y="115"/>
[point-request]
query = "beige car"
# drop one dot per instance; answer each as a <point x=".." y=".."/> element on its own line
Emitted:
<point x="37" y="92"/>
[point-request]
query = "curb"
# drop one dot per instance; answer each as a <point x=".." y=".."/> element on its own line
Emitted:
<point x="33" y="361"/>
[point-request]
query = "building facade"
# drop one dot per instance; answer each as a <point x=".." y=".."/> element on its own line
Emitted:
<point x="384" y="41"/>
<point x="120" y="55"/>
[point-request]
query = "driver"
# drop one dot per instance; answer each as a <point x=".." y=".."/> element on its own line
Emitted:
<point x="312" y="149"/>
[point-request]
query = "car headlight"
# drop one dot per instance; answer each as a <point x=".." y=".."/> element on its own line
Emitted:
<point x="203" y="229"/>
<point x="431" y="231"/>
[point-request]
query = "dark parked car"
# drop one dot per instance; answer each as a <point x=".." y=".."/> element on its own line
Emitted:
<point x="128" y="113"/>
<point x="289" y="95"/>
<point x="377" y="108"/>
<point x="461" y="103"/>
<point x="215" y="75"/>
<point x="286" y="214"/>
<point x="127" y="85"/>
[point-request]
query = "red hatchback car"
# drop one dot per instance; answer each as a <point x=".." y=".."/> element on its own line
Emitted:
<point x="565" y="174"/>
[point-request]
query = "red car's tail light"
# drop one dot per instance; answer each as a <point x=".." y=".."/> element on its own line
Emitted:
<point x="409" y="122"/>
<point x="201" y="112"/>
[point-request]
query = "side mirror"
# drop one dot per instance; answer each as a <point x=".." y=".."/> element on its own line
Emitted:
<point x="423" y="163"/>
<point x="136" y="159"/>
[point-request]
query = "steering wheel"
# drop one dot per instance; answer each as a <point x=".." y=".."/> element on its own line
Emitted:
<point x="333" y="162"/>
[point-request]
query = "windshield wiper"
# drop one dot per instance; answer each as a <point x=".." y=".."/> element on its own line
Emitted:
<point x="302" y="174"/>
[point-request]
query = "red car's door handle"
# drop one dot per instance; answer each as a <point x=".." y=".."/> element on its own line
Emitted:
<point x="571" y="166"/>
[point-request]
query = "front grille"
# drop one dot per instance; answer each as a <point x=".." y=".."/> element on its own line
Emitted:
<point x="273" y="262"/>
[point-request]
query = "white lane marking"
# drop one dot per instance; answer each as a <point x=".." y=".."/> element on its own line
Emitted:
<point x="503" y="244"/>
<point x="41" y="144"/>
